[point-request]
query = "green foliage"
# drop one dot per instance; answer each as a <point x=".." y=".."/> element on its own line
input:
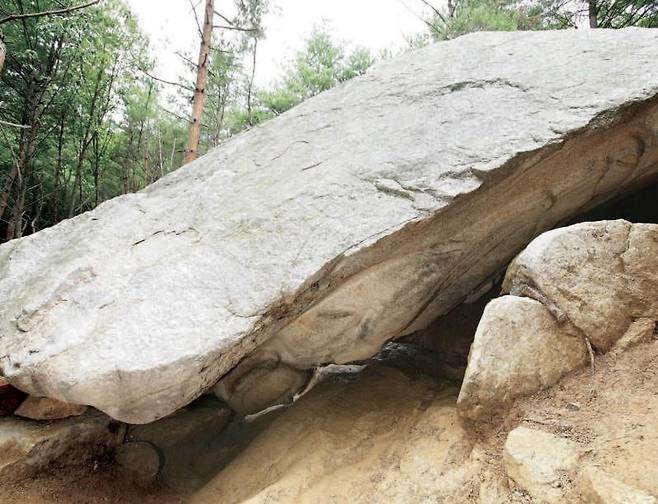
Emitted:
<point x="467" y="16"/>
<point x="96" y="123"/>
<point x="321" y="65"/>
<point x="92" y="125"/>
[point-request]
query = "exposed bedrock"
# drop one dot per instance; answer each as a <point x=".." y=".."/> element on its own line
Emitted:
<point x="358" y="217"/>
<point x="594" y="283"/>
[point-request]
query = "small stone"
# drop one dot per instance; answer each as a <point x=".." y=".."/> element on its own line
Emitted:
<point x="139" y="461"/>
<point x="598" y="487"/>
<point x="10" y="398"/>
<point x="43" y="408"/>
<point x="573" y="406"/>
<point x="640" y="331"/>
<point x="537" y="461"/>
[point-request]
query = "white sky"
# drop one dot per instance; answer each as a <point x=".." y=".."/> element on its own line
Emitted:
<point x="376" y="24"/>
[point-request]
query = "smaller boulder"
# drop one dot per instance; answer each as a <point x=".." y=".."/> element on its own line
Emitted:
<point x="519" y="348"/>
<point x="538" y="462"/>
<point x="597" y="487"/>
<point x="43" y="408"/>
<point x="10" y="398"/>
<point x="140" y="462"/>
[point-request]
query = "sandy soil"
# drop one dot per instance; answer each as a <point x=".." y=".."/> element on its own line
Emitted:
<point x="611" y="411"/>
<point x="82" y="485"/>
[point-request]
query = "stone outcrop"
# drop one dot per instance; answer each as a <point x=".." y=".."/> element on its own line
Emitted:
<point x="592" y="282"/>
<point x="358" y="217"/>
<point x="597" y="487"/>
<point x="537" y="461"/>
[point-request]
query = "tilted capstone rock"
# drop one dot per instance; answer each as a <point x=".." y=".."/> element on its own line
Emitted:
<point x="355" y="218"/>
<point x="591" y="283"/>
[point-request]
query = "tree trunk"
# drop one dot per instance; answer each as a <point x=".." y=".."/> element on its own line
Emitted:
<point x="593" y="14"/>
<point x="251" y="83"/>
<point x="199" y="91"/>
<point x="2" y="54"/>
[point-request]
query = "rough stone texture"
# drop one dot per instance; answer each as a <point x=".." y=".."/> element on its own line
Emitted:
<point x="27" y="446"/>
<point x="357" y="217"/>
<point x="597" y="487"/>
<point x="42" y="408"/>
<point x="599" y="277"/>
<point x="139" y="461"/>
<point x="639" y="331"/>
<point x="519" y="348"/>
<point x="537" y="461"/>
<point x="10" y="398"/>
<point x="595" y="281"/>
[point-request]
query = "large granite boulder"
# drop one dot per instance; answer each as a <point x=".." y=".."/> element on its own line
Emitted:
<point x="358" y="217"/>
<point x="593" y="284"/>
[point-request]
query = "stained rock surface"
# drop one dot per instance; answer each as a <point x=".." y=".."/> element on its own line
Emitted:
<point x="358" y="217"/>
<point x="593" y="282"/>
<point x="27" y="446"/>
<point x="42" y="408"/>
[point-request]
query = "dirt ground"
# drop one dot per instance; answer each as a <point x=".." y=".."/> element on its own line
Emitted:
<point x="82" y="485"/>
<point x="611" y="411"/>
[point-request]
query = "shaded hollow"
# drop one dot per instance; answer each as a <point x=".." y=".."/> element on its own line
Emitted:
<point x="447" y="340"/>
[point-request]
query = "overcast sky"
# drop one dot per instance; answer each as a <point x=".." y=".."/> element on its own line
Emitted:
<point x="376" y="24"/>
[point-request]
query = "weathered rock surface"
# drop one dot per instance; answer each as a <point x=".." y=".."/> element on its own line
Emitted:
<point x="597" y="487"/>
<point x="140" y="462"/>
<point x="599" y="277"/>
<point x="537" y="461"/>
<point x="357" y="217"/>
<point x="42" y="408"/>
<point x="594" y="281"/>
<point x="27" y="446"/>
<point x="519" y="348"/>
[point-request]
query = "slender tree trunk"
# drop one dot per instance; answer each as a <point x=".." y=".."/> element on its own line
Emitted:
<point x="15" y="228"/>
<point x="593" y="14"/>
<point x="451" y="9"/>
<point x="6" y="190"/>
<point x="2" y="54"/>
<point x="200" y="89"/>
<point x="251" y="83"/>
<point x="58" y="166"/>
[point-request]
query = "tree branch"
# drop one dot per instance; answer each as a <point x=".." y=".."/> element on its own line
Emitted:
<point x="235" y="28"/>
<point x="225" y="18"/>
<point x="196" y="18"/>
<point x="13" y="125"/>
<point x="435" y="10"/>
<point x="57" y="12"/>
<point x="182" y="86"/>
